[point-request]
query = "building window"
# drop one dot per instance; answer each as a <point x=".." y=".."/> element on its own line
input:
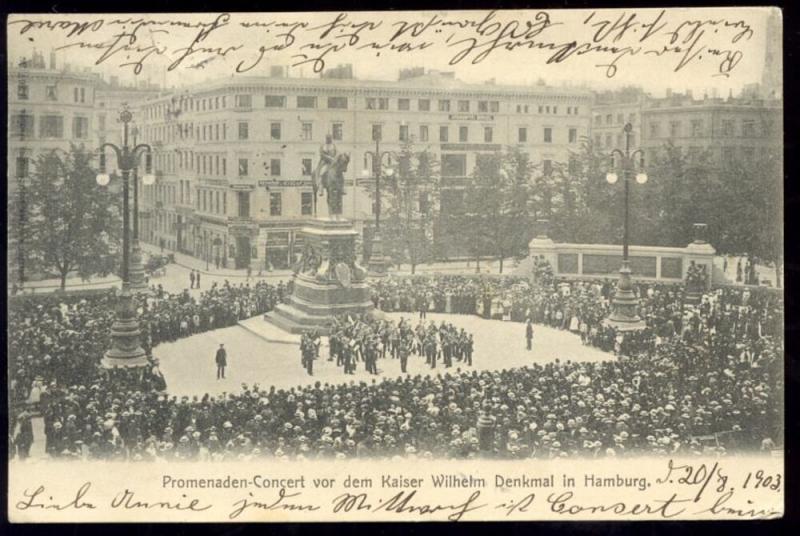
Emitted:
<point x="383" y="103"/>
<point x="22" y="166"/>
<point x="274" y="101"/>
<point x="728" y="156"/>
<point x="547" y="167"/>
<point x="224" y="194"/>
<point x="748" y="128"/>
<point x="403" y="132"/>
<point x="275" y="203"/>
<point x="243" y="131"/>
<point x="275" y="131"/>
<point x="244" y="204"/>
<point x="424" y="203"/>
<point x="444" y="105"/>
<point x="336" y="130"/>
<point x="242" y="101"/>
<point x="224" y="167"/>
<point x="487" y="134"/>
<point x="728" y="128"/>
<point x="598" y="141"/>
<point x="655" y="129"/>
<point x="372" y="103"/>
<point x="51" y="94"/>
<point x="22" y="125"/>
<point x="306" y="102"/>
<point x="403" y="104"/>
<point x="463" y="106"/>
<point x="424" y="105"/>
<point x="22" y="91"/>
<point x="423" y="133"/>
<point x="51" y="126"/>
<point x="548" y="135"/>
<point x="573" y="135"/>
<point x="307" y="131"/>
<point x="376" y="132"/>
<point x="522" y="135"/>
<point x="306" y="166"/>
<point x="275" y="167"/>
<point x="609" y="119"/>
<point x="463" y="134"/>
<point x="306" y="203"/>
<point x="243" y="167"/>
<point x="339" y="103"/>
<point x="483" y="106"/>
<point x="674" y="129"/>
<point x="609" y="141"/>
<point x="216" y="202"/>
<point x="444" y="134"/>
<point x="697" y="128"/>
<point x="494" y="106"/>
<point x="80" y="128"/>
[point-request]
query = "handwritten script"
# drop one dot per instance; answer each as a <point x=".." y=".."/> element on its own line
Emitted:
<point x="241" y="43"/>
<point x="677" y="491"/>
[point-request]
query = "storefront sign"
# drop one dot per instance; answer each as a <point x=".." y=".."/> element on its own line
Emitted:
<point x="471" y="117"/>
<point x="285" y="183"/>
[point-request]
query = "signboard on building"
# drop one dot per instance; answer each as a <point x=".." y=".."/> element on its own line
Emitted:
<point x="471" y="117"/>
<point x="285" y="183"/>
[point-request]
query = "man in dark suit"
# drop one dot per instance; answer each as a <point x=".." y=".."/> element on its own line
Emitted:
<point x="529" y="333"/>
<point x="222" y="361"/>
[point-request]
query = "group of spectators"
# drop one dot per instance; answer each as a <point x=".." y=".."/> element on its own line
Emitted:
<point x="58" y="340"/>
<point x="699" y="379"/>
<point x="366" y="339"/>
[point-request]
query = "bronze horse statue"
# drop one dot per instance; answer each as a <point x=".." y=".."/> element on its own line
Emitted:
<point x="332" y="182"/>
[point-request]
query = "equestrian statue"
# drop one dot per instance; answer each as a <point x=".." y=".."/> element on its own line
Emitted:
<point x="329" y="177"/>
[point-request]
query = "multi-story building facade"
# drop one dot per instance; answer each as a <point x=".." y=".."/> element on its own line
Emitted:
<point x="49" y="109"/>
<point x="729" y="129"/>
<point x="234" y="158"/>
<point x="611" y="111"/>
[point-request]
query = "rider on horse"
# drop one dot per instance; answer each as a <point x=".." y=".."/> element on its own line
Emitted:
<point x="327" y="155"/>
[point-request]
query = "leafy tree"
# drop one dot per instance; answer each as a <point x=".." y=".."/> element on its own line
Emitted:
<point x="410" y="201"/>
<point x="746" y="217"/>
<point x="74" y="224"/>
<point x="496" y="205"/>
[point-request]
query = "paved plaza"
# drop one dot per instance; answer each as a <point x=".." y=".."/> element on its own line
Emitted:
<point x="189" y="367"/>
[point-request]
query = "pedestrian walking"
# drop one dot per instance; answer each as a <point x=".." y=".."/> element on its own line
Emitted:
<point x="222" y="361"/>
<point x="197" y="278"/>
<point x="191" y="279"/>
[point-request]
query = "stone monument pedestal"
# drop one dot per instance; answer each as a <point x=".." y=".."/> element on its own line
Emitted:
<point x="329" y="281"/>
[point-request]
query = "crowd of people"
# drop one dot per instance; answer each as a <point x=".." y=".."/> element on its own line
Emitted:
<point x="59" y="339"/>
<point x="700" y="378"/>
<point x="365" y="338"/>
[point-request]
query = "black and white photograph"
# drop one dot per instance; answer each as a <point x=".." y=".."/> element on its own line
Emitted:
<point x="395" y="266"/>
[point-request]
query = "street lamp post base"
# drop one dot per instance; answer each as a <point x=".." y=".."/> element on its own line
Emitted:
<point x="378" y="266"/>
<point x="125" y="351"/>
<point x="624" y="316"/>
<point x="137" y="284"/>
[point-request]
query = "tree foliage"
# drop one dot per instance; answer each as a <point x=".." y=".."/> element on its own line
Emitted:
<point x="410" y="201"/>
<point x="73" y="224"/>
